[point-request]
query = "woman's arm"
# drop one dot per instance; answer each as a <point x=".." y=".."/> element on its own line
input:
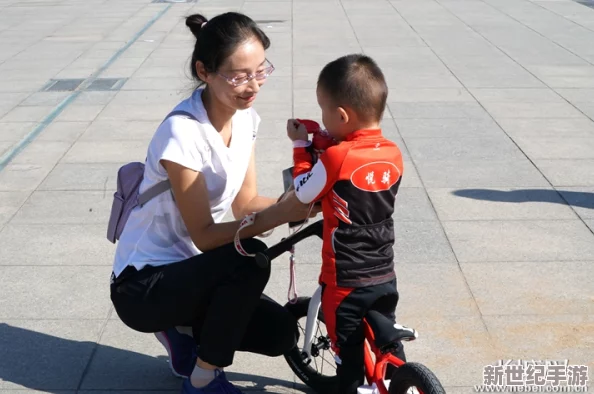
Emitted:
<point x="191" y="197"/>
<point x="248" y="200"/>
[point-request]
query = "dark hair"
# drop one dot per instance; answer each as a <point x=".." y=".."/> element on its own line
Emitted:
<point x="219" y="37"/>
<point x="356" y="81"/>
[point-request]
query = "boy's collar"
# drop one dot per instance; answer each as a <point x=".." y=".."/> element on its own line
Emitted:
<point x="364" y="133"/>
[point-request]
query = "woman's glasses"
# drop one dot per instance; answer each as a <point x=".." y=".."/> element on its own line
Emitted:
<point x="242" y="79"/>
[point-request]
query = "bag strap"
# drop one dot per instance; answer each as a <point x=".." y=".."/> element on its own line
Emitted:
<point x="165" y="185"/>
<point x="153" y="192"/>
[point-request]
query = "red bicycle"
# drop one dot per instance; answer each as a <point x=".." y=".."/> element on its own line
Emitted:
<point x="385" y="372"/>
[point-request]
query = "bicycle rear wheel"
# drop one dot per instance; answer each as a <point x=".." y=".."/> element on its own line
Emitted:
<point x="320" y="373"/>
<point x="414" y="375"/>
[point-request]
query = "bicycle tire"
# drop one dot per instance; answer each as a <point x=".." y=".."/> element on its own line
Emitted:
<point x="309" y="376"/>
<point x="415" y="375"/>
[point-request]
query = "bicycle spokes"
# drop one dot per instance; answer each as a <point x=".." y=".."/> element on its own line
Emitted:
<point x="322" y="356"/>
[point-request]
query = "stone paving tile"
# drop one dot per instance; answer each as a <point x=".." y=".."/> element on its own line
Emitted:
<point x="51" y="292"/>
<point x="82" y="176"/>
<point x="508" y="240"/>
<point x="65" y="207"/>
<point x="106" y="151"/>
<point x="556" y="336"/>
<point x="548" y="128"/>
<point x="453" y="128"/>
<point x="10" y="202"/>
<point x="64" y="131"/>
<point x="57" y="349"/>
<point x="480" y="173"/>
<point x="567" y="172"/>
<point x="55" y="245"/>
<point x="492" y="105"/>
<point x="501" y="204"/>
<point x="512" y="288"/>
<point x="15" y="131"/>
<point x="139" y="353"/>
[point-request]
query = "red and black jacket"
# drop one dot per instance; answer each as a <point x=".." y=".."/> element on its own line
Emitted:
<point x="357" y="182"/>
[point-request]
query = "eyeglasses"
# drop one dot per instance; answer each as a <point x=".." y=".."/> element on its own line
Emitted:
<point x="242" y="79"/>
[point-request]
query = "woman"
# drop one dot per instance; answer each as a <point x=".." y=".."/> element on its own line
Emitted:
<point x="175" y="263"/>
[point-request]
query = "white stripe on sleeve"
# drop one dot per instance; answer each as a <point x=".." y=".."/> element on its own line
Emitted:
<point x="309" y="185"/>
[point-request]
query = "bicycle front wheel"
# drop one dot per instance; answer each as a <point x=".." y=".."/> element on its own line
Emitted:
<point x="411" y="376"/>
<point x="320" y="373"/>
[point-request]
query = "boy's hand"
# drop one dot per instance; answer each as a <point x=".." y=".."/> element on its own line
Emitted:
<point x="296" y="131"/>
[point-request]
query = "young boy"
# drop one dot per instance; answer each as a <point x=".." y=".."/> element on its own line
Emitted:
<point x="356" y="181"/>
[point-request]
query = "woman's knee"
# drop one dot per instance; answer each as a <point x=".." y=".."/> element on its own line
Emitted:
<point x="253" y="245"/>
<point x="287" y="335"/>
<point x="248" y="264"/>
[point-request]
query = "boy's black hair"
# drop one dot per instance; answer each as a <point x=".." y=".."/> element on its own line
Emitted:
<point x="356" y="81"/>
<point x="216" y="39"/>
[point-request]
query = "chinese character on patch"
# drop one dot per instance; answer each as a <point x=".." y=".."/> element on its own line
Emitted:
<point x="386" y="177"/>
<point x="370" y="178"/>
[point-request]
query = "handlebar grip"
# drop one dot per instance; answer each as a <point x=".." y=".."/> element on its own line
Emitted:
<point x="262" y="260"/>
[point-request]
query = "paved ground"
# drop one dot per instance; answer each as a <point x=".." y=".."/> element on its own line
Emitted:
<point x="491" y="101"/>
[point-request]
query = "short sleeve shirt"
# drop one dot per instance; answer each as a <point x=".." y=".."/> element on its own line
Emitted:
<point x="155" y="234"/>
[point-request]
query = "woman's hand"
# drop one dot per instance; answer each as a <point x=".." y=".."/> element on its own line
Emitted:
<point x="296" y="131"/>
<point x="294" y="210"/>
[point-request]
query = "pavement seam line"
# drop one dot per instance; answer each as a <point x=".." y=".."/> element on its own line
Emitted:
<point x="495" y="120"/>
<point x="112" y="59"/>
<point x="94" y="351"/>
<point x="69" y="64"/>
<point x="537" y="32"/>
<point x="8" y="156"/>
<point x="412" y="160"/>
<point x="105" y="190"/>
<point x="563" y="16"/>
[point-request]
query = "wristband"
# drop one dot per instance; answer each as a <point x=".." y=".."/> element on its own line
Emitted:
<point x="246" y="222"/>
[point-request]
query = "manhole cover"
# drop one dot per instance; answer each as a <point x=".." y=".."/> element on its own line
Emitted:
<point x="104" y="84"/>
<point x="62" y="85"/>
<point x="587" y="3"/>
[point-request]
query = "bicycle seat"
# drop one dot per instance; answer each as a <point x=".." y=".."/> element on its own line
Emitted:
<point x="386" y="333"/>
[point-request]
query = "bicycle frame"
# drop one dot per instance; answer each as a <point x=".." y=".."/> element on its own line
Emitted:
<point x="374" y="370"/>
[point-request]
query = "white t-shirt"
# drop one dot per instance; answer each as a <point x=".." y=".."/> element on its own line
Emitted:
<point x="155" y="234"/>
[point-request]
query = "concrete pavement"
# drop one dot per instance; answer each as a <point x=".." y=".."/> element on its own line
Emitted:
<point x="491" y="101"/>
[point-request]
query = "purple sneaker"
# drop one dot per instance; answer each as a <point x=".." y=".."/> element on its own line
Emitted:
<point x="219" y="385"/>
<point x="181" y="349"/>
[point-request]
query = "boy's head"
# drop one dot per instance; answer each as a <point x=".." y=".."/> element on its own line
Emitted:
<point x="352" y="94"/>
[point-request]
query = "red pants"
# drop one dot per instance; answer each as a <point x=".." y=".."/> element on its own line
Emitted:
<point x="344" y="310"/>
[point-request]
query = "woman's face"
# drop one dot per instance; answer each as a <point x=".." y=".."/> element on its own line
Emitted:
<point x="248" y="60"/>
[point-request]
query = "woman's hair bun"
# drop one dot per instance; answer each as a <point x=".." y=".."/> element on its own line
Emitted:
<point x="194" y="23"/>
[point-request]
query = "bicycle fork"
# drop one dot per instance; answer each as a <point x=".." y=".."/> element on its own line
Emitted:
<point x="312" y="317"/>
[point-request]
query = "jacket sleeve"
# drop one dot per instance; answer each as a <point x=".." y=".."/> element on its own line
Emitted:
<point x="313" y="182"/>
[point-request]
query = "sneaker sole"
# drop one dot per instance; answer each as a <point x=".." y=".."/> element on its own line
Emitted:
<point x="161" y="337"/>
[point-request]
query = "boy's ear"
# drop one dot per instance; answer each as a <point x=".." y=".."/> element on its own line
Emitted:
<point x="344" y="116"/>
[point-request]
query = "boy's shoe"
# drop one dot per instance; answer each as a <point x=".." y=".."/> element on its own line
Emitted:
<point x="219" y="385"/>
<point x="181" y="349"/>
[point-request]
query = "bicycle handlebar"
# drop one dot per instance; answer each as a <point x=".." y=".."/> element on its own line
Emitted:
<point x="264" y="258"/>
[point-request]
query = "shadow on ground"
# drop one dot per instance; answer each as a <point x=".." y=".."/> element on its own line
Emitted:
<point x="56" y="365"/>
<point x="573" y="198"/>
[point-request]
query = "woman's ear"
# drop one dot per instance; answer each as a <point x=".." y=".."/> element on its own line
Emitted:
<point x="344" y="115"/>
<point x="201" y="71"/>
